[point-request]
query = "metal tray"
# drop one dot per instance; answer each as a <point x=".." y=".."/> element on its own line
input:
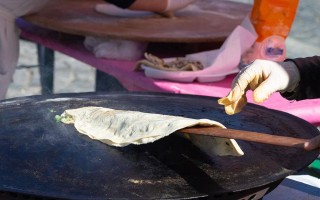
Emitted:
<point x="44" y="158"/>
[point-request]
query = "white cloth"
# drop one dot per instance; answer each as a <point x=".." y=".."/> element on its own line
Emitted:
<point x="9" y="36"/>
<point x="115" y="49"/>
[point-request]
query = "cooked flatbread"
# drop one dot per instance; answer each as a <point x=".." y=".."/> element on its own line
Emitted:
<point x="121" y="128"/>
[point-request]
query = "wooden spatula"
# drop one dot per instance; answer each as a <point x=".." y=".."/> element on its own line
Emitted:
<point x="246" y="135"/>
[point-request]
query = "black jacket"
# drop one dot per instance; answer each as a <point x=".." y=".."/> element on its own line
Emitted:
<point x="309" y="85"/>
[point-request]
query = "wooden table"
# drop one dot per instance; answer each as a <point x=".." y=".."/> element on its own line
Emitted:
<point x="209" y="21"/>
<point x="191" y="31"/>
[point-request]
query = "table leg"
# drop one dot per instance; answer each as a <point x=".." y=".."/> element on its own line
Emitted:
<point x="46" y="67"/>
<point x="107" y="83"/>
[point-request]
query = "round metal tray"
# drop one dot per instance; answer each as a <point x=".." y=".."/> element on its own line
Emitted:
<point x="42" y="157"/>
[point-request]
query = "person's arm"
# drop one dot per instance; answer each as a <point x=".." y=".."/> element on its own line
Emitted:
<point x="308" y="88"/>
<point x="295" y="78"/>
<point x="309" y="85"/>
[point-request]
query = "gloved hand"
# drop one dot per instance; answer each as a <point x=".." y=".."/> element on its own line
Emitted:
<point x="264" y="77"/>
<point x="314" y="143"/>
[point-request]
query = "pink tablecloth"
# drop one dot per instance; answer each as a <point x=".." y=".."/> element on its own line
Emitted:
<point x="308" y="110"/>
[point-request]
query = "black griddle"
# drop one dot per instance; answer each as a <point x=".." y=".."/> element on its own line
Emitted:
<point x="43" y="158"/>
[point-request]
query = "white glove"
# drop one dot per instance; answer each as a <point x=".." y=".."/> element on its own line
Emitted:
<point x="115" y="49"/>
<point x="264" y="77"/>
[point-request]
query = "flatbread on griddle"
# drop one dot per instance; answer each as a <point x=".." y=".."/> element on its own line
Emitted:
<point x="121" y="128"/>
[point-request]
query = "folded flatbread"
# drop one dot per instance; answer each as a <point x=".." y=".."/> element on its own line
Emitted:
<point x="121" y="128"/>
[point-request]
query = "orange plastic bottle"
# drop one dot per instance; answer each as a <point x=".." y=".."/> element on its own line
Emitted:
<point x="273" y="17"/>
<point x="272" y="20"/>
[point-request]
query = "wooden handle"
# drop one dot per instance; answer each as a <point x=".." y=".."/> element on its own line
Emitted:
<point x="246" y="135"/>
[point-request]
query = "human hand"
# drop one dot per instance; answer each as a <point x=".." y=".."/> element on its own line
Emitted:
<point x="264" y="77"/>
<point x="312" y="144"/>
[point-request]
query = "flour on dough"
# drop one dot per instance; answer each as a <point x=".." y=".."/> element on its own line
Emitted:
<point x="121" y="128"/>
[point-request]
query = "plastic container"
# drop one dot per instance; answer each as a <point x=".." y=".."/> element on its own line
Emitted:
<point x="273" y="17"/>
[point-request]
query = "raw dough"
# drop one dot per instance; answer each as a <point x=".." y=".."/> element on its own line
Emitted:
<point x="121" y="128"/>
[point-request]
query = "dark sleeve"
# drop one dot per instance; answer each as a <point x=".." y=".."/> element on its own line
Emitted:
<point x="121" y="3"/>
<point x="309" y="85"/>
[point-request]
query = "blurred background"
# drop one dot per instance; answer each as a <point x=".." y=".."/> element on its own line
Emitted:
<point x="74" y="76"/>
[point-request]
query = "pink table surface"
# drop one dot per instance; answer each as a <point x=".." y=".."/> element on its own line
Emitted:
<point x="70" y="45"/>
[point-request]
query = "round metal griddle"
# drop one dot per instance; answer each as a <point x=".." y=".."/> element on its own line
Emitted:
<point x="211" y="21"/>
<point x="42" y="157"/>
